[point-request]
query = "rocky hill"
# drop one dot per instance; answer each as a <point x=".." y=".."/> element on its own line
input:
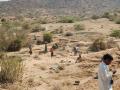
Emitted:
<point x="60" y="6"/>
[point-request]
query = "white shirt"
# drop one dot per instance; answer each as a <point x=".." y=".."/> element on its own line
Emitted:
<point x="104" y="77"/>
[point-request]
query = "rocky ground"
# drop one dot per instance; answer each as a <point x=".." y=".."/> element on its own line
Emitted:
<point x="41" y="72"/>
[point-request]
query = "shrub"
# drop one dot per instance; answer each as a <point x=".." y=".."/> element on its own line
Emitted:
<point x="111" y="16"/>
<point x="12" y="40"/>
<point x="3" y="20"/>
<point x="58" y="30"/>
<point x="67" y="20"/>
<point x="38" y="29"/>
<point x="118" y="21"/>
<point x="102" y="44"/>
<point x="115" y="33"/>
<point x="79" y="27"/>
<point x="98" y="45"/>
<point x="15" y="45"/>
<point x="39" y="42"/>
<point x="69" y="34"/>
<point x="25" y="26"/>
<point x="95" y="17"/>
<point x="11" y="69"/>
<point x="55" y="46"/>
<point x="106" y="15"/>
<point x="47" y="37"/>
<point x="6" y="25"/>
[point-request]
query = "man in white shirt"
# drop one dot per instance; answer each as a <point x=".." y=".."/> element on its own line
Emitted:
<point x="104" y="75"/>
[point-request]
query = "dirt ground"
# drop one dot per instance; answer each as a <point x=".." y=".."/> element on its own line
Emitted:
<point x="38" y="68"/>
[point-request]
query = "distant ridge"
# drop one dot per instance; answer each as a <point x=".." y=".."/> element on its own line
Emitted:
<point x="57" y="7"/>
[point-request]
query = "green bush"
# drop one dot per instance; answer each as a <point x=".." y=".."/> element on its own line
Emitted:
<point x="115" y="33"/>
<point x="79" y="27"/>
<point x="47" y="37"/>
<point x="67" y="20"/>
<point x="95" y="17"/>
<point x="11" y="69"/>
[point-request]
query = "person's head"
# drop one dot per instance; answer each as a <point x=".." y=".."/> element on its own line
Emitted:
<point x="107" y="59"/>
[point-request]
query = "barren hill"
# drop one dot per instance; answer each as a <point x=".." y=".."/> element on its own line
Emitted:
<point x="60" y="6"/>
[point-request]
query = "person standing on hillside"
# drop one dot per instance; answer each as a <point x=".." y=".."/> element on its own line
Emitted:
<point x="30" y="48"/>
<point x="79" y="59"/>
<point x="52" y="51"/>
<point x="76" y="50"/>
<point x="104" y="74"/>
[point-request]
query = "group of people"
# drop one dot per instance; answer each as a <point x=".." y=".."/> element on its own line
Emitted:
<point x="104" y="74"/>
<point x="51" y="49"/>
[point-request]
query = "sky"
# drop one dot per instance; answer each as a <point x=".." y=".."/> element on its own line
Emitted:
<point x="4" y="0"/>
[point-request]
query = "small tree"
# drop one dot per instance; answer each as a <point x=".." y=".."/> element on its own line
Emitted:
<point x="47" y="37"/>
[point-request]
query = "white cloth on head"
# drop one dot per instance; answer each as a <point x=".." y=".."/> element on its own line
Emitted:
<point x="104" y="77"/>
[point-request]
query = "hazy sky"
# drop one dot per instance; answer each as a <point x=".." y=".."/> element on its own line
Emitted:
<point x="4" y="0"/>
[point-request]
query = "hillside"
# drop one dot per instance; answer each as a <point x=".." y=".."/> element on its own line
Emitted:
<point x="86" y="7"/>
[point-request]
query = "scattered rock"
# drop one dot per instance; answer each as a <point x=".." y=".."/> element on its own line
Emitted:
<point x="56" y="67"/>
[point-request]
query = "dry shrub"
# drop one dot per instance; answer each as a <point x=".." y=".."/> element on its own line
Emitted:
<point x="67" y="19"/>
<point x="11" y="69"/>
<point x="12" y="40"/>
<point x="102" y="44"/>
<point x="25" y="26"/>
<point x="117" y="21"/>
<point x="115" y="33"/>
<point x="95" y="17"/>
<point x="38" y="28"/>
<point x="58" y="30"/>
<point x="79" y="27"/>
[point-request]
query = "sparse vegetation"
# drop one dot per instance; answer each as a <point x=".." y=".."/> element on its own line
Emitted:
<point x="95" y="17"/>
<point x="117" y="21"/>
<point x="47" y="37"/>
<point x="15" y="45"/>
<point x="115" y="33"/>
<point x="12" y="41"/>
<point x="106" y="15"/>
<point x="26" y="26"/>
<point x="67" y="19"/>
<point x="102" y="44"/>
<point x="11" y="69"/>
<point x="79" y="27"/>
<point x="38" y="28"/>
